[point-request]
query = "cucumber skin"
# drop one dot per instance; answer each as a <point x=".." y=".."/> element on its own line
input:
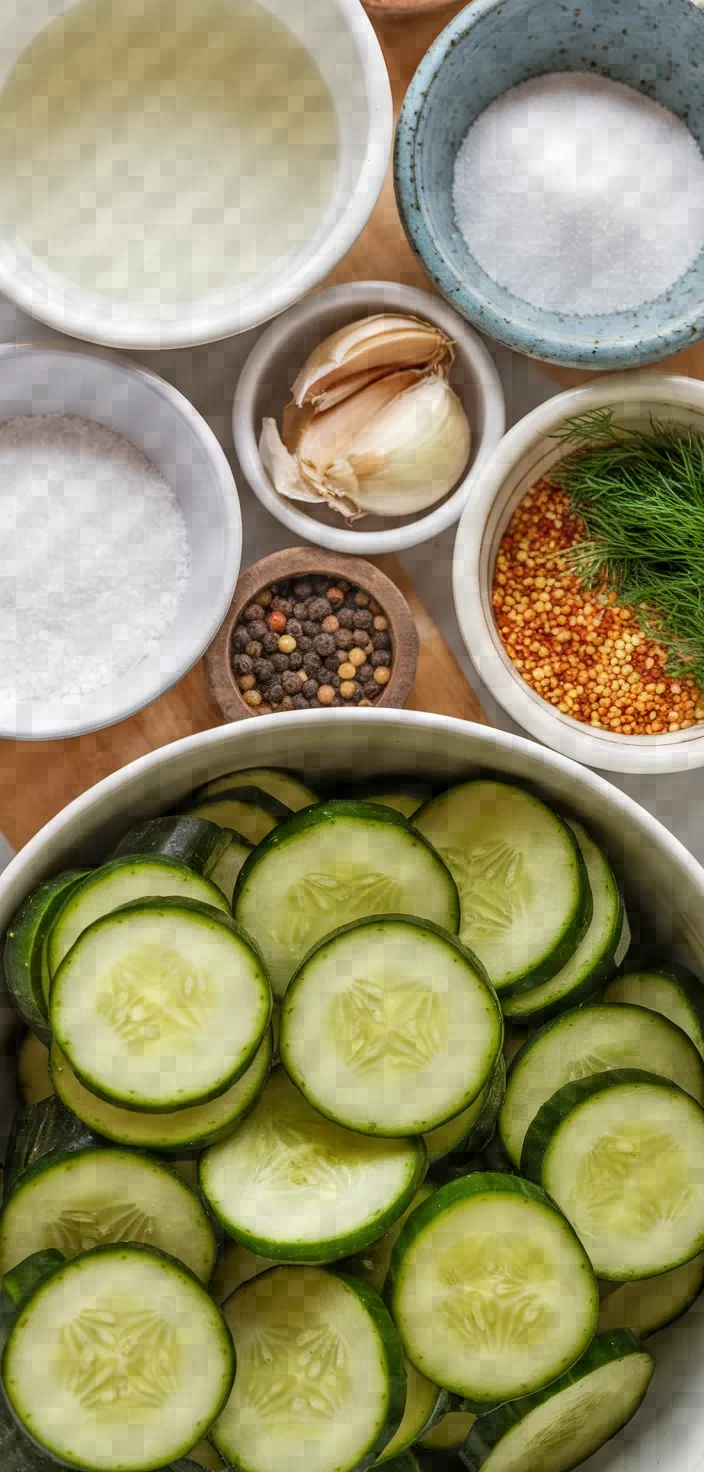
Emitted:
<point x="42" y="1131"/>
<point x="254" y="795"/>
<point x="581" y="920"/>
<point x="395" y="1363"/>
<point x="208" y="912"/>
<point x="328" y="812"/>
<point x="671" y="971"/>
<point x="207" y="789"/>
<point x="490" y="1429"/>
<point x="195" y="842"/>
<point x="23" y="944"/>
<point x="480" y="1134"/>
<point x="320" y="1254"/>
<point x="561" y="1104"/>
<point x="582" y="992"/>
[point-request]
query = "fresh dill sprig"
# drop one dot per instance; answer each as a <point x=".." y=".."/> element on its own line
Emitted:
<point x="640" y="495"/>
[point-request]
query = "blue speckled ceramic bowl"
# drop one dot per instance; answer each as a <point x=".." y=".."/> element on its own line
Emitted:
<point x="655" y="45"/>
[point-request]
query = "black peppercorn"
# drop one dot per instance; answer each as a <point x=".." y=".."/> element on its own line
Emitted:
<point x="333" y="680"/>
<point x="263" y="669"/>
<point x="253" y="649"/>
<point x="299" y="702"/>
<point x="344" y="639"/>
<point x="324" y="644"/>
<point x="310" y="689"/>
<point x="310" y="628"/>
<point x="318" y="608"/>
<point x="242" y="664"/>
<point x="365" y="673"/>
<point x="381" y="641"/>
<point x="240" y="639"/>
<point x="305" y="643"/>
<point x="345" y="618"/>
<point x="295" y="660"/>
<point x="294" y="627"/>
<point x="254" y="612"/>
<point x="300" y="610"/>
<point x="303" y="589"/>
<point x="370" y="690"/>
<point x="274" y="693"/>
<point x="332" y="662"/>
<point x="291" y="683"/>
<point x="378" y="658"/>
<point x="282" y="605"/>
<point x="280" y="662"/>
<point x="257" y="629"/>
<point x="311" y="662"/>
<point x="363" y="619"/>
<point x="337" y="700"/>
<point x="321" y="585"/>
<point x="270" y="642"/>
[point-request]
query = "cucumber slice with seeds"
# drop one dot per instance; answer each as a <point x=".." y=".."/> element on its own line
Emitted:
<point x="274" y="781"/>
<point x="248" y="809"/>
<point x="620" y="1153"/>
<point x="192" y="841"/>
<point x="161" y="1005"/>
<point x="335" y="863"/>
<point x="295" y="1187"/>
<point x="390" y="1027"/>
<point x="33" y="1081"/>
<point x="94" y="1196"/>
<point x="671" y="991"/>
<point x="470" y="1131"/>
<point x="122" y="882"/>
<point x="653" y="1304"/>
<point x="524" y="891"/>
<point x="24" y="941"/>
<point x="490" y="1289"/>
<point x="588" y="1040"/>
<point x="135" y="1363"/>
<point x="228" y="866"/>
<point x="559" y="1427"/>
<point x="449" y="1433"/>
<point x="599" y="952"/>
<point x="183" y="1131"/>
<point x="320" y="1374"/>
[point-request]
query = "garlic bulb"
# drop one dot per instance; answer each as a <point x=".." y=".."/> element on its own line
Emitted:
<point x="373" y="425"/>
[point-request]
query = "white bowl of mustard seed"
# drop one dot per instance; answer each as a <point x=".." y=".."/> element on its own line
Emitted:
<point x="572" y="666"/>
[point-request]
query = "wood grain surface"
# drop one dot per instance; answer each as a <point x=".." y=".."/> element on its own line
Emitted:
<point x="37" y="779"/>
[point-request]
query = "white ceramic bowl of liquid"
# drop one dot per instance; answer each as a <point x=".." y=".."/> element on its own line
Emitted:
<point x="40" y="379"/>
<point x="196" y="165"/>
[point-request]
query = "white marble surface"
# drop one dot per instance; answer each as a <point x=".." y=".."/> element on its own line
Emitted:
<point x="208" y="376"/>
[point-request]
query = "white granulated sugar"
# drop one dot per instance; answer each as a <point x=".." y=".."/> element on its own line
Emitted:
<point x="94" y="557"/>
<point x="580" y="195"/>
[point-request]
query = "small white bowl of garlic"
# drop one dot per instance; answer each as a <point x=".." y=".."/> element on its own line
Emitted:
<point x="363" y="415"/>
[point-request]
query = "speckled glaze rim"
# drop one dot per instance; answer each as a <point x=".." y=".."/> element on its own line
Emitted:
<point x="517" y="462"/>
<point x="542" y="343"/>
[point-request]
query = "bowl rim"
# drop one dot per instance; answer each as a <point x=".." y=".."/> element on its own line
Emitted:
<point x="25" y="869"/>
<point x="278" y="340"/>
<point x="538" y="339"/>
<point x="194" y="329"/>
<point x="232" y="550"/>
<point x="649" y="755"/>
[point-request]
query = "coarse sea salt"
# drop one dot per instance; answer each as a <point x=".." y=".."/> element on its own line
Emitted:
<point x="580" y="195"/>
<point x="94" y="557"/>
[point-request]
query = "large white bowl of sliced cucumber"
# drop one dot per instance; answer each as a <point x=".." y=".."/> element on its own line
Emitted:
<point x="360" y="1064"/>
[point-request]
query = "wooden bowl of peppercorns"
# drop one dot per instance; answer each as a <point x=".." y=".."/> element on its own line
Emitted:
<point x="309" y="630"/>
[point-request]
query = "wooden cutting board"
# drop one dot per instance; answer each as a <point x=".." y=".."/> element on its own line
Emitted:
<point x="37" y="779"/>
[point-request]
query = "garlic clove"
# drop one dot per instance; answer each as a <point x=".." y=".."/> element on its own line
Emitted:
<point x="410" y="456"/>
<point x="327" y="436"/>
<point x="281" y="467"/>
<point x="384" y="343"/>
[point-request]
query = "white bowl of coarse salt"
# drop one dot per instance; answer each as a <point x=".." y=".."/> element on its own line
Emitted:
<point x="120" y="539"/>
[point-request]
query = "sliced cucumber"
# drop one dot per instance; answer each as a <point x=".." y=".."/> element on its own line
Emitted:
<point x="24" y="940"/>
<point x="122" y="882"/>
<point x="82" y="1200"/>
<point x="295" y="1187"/>
<point x="192" y="841"/>
<point x="449" y="1433"/>
<point x="653" y="1304"/>
<point x="560" y="1426"/>
<point x="672" y="991"/>
<point x="275" y="781"/>
<point x="43" y="1129"/>
<point x="372" y="1263"/>
<point x="471" y="1130"/>
<point x="593" y="1039"/>
<point x="228" y="866"/>
<point x="120" y="1360"/>
<point x="33" y="1081"/>
<point x="523" y="886"/>
<point x="425" y="1404"/>
<point x="177" y="1133"/>
<point x="405" y="798"/>
<point x="390" y="1026"/>
<point x="491" y="1290"/>
<point x="620" y="1153"/>
<point x="243" y="806"/>
<point x="320" y="1374"/>
<point x="161" y="1005"/>
<point x="598" y="953"/>
<point x="332" y="864"/>
<point x="235" y="1266"/>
